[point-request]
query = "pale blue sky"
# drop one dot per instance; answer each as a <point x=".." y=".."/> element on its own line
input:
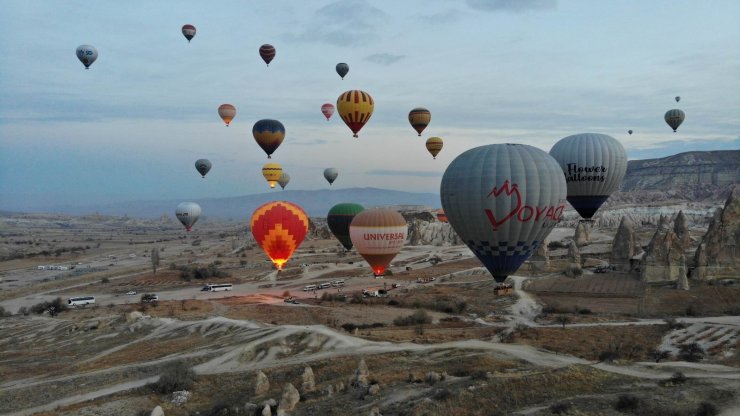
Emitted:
<point x="490" y="71"/>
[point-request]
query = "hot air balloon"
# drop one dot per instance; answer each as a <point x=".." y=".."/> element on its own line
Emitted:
<point x="342" y="69"/>
<point x="272" y="173"/>
<point x="87" y="54"/>
<point x="339" y="218"/>
<point x="674" y="118"/>
<point x="203" y="166"/>
<point x="188" y="31"/>
<point x="441" y="216"/>
<point x="227" y="113"/>
<point x="279" y="228"/>
<point x="267" y="52"/>
<point x="188" y="213"/>
<point x="503" y="200"/>
<point x="378" y="235"/>
<point x="630" y="132"/>
<point x="355" y="107"/>
<point x="331" y="175"/>
<point x="419" y="118"/>
<point x="328" y="110"/>
<point x="594" y="166"/>
<point x="678" y="98"/>
<point x="434" y="145"/>
<point x="268" y="134"/>
<point x="284" y="179"/>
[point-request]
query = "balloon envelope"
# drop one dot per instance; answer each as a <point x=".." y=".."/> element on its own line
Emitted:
<point x="279" y="228"/>
<point x="434" y="146"/>
<point x="327" y="110"/>
<point x="503" y="200"/>
<point x="339" y="218"/>
<point x="87" y="54"/>
<point x="678" y="98"/>
<point x="269" y="134"/>
<point x="267" y="52"/>
<point x="594" y="166"/>
<point x="342" y="69"/>
<point x="188" y="213"/>
<point x="227" y="112"/>
<point x="188" y="31"/>
<point x="378" y="234"/>
<point x="441" y="216"/>
<point x="674" y="118"/>
<point x="630" y="132"/>
<point x="330" y="174"/>
<point x="284" y="179"/>
<point x="272" y="173"/>
<point x="355" y="107"/>
<point x="203" y="166"/>
<point x="419" y="118"/>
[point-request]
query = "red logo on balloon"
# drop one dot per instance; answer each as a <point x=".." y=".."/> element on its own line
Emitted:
<point x="508" y="191"/>
<point x="522" y="213"/>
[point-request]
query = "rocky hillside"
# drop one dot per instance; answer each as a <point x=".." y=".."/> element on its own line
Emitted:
<point x="692" y="176"/>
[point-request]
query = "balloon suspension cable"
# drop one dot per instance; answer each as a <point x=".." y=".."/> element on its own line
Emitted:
<point x="419" y="134"/>
<point x="355" y="135"/>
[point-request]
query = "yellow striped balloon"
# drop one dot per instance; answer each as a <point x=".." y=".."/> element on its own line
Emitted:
<point x="355" y="107"/>
<point x="272" y="173"/>
<point x="434" y="145"/>
<point x="419" y="118"/>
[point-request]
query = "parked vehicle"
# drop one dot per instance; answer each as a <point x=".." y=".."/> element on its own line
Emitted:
<point x="131" y="292"/>
<point x="309" y="288"/>
<point x="81" y="301"/>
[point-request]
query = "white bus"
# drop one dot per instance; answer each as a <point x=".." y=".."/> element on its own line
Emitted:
<point x="309" y="288"/>
<point x="324" y="285"/>
<point x="338" y="283"/>
<point x="83" y="300"/>
<point x="217" y="287"/>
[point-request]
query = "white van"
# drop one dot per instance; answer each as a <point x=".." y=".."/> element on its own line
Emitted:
<point x="324" y="285"/>
<point x="309" y="288"/>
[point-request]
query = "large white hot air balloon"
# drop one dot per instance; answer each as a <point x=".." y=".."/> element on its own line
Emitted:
<point x="503" y="200"/>
<point x="330" y="174"/>
<point x="378" y="234"/>
<point x="594" y="166"/>
<point x="188" y="213"/>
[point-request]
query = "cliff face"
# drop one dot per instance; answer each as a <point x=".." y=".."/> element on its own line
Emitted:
<point x="689" y="176"/>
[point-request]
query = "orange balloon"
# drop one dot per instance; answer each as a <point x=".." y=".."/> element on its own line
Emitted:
<point x="279" y="228"/>
<point x="441" y="216"/>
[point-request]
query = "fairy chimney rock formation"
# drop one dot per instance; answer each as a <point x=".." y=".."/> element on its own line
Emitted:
<point x="582" y="235"/>
<point x="262" y="385"/>
<point x="362" y="375"/>
<point x="717" y="255"/>
<point x="290" y="398"/>
<point x="664" y="259"/>
<point x="624" y="246"/>
<point x="681" y="228"/>
<point x="309" y="382"/>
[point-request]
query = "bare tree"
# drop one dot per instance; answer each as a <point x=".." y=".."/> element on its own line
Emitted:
<point x="155" y="259"/>
<point x="563" y="320"/>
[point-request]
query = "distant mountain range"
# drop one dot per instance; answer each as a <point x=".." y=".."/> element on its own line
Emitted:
<point x="315" y="203"/>
<point x="692" y="176"/>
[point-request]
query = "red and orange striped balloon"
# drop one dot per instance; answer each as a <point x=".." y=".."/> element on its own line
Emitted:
<point x="279" y="228"/>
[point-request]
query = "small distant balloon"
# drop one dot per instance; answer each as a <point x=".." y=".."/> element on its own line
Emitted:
<point x="267" y="52"/>
<point x="342" y="69"/>
<point x="203" y="166"/>
<point x="189" y="32"/>
<point x="678" y="98"/>
<point x="227" y="113"/>
<point x="87" y="54"/>
<point x="441" y="216"/>
<point x="327" y="110"/>
<point x="188" y="213"/>
<point x="268" y="134"/>
<point x="355" y="107"/>
<point x="434" y="146"/>
<point x="630" y="132"/>
<point x="284" y="179"/>
<point x="674" y="118"/>
<point x="419" y="118"/>
<point x="272" y="173"/>
<point x="330" y="174"/>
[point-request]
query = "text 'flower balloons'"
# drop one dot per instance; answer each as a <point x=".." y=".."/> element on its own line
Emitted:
<point x="87" y="54"/>
<point x="594" y="166"/>
<point x="355" y="107"/>
<point x="503" y="200"/>
<point x="188" y="213"/>
<point x="279" y="228"/>
<point x="339" y="218"/>
<point x="378" y="234"/>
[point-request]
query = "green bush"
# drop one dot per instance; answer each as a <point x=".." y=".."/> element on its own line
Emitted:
<point x="627" y="403"/>
<point x="176" y="376"/>
<point x="420" y="316"/>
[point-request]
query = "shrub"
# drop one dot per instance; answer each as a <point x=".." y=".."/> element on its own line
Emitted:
<point x="559" y="408"/>
<point x="627" y="403"/>
<point x="691" y="352"/>
<point x="441" y="394"/>
<point x="658" y="355"/>
<point x="678" y="378"/>
<point x="4" y="313"/>
<point x="105" y="280"/>
<point x="608" y="356"/>
<point x="707" y="409"/>
<point x="176" y="376"/>
<point x="54" y="307"/>
<point x="673" y="323"/>
<point x="420" y="316"/>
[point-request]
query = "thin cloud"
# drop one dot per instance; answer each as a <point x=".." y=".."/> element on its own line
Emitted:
<point x="384" y="58"/>
<point x="419" y="173"/>
<point x="448" y="16"/>
<point x="516" y="6"/>
<point x="342" y="23"/>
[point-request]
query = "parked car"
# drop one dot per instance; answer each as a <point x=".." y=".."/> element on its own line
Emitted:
<point x="131" y="292"/>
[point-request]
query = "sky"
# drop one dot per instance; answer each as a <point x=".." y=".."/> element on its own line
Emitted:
<point x="490" y="71"/>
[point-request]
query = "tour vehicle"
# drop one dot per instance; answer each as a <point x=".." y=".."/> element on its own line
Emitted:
<point x="309" y="288"/>
<point x="81" y="301"/>
<point x="324" y="285"/>
<point x="338" y="283"/>
<point x="219" y="287"/>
